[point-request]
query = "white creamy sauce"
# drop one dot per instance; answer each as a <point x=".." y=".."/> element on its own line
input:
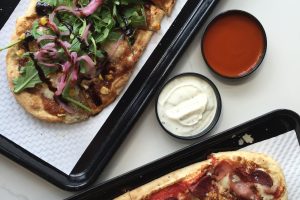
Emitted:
<point x="187" y="105"/>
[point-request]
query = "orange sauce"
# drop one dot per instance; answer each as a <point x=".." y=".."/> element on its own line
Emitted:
<point x="234" y="44"/>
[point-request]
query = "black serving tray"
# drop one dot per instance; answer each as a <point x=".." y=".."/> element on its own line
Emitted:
<point x="264" y="127"/>
<point x="129" y="108"/>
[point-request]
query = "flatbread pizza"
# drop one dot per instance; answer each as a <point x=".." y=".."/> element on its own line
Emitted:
<point x="71" y="58"/>
<point x="238" y="175"/>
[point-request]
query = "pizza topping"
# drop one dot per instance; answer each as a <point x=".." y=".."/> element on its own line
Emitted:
<point x="104" y="90"/>
<point x="222" y="169"/>
<point x="94" y="94"/>
<point x="245" y="179"/>
<point x="82" y="12"/>
<point x="261" y="177"/>
<point x="169" y="193"/>
<point x="43" y="8"/>
<point x="202" y="187"/>
<point x="243" y="190"/>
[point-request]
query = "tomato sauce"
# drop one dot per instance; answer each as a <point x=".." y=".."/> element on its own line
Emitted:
<point x="234" y="44"/>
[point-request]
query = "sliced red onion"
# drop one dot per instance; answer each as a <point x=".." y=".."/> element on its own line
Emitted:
<point x="75" y="3"/>
<point x="61" y="84"/>
<point x="66" y="66"/>
<point x="66" y="33"/>
<point x="65" y="45"/>
<point x="46" y="53"/>
<point x="74" y="75"/>
<point x="90" y="8"/>
<point x="89" y="64"/>
<point x="49" y="64"/>
<point x="51" y="23"/>
<point x="74" y="57"/>
<point x="67" y="9"/>
<point x="51" y="16"/>
<point x="63" y="105"/>
<point x="49" y="45"/>
<point x="116" y="46"/>
<point x="46" y="37"/>
<point x="82" y="12"/>
<point x="86" y="34"/>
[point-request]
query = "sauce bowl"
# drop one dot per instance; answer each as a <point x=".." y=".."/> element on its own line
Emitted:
<point x="234" y="44"/>
<point x="188" y="106"/>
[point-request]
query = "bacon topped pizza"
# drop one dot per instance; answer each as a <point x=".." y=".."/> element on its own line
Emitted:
<point x="71" y="58"/>
<point x="224" y="176"/>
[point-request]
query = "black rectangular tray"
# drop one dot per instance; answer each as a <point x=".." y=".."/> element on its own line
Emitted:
<point x="131" y="105"/>
<point x="264" y="127"/>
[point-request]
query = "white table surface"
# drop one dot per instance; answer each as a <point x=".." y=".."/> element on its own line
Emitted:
<point x="273" y="86"/>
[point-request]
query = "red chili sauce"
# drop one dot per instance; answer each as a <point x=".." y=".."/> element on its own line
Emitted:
<point x="234" y="44"/>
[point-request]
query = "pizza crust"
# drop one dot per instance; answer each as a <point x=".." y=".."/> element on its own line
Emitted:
<point x="166" y="5"/>
<point x="191" y="171"/>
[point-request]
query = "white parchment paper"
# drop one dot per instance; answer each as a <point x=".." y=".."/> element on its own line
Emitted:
<point x="59" y="145"/>
<point x="286" y="151"/>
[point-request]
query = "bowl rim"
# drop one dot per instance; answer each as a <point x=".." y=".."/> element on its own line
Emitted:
<point x="215" y="118"/>
<point x="262" y="56"/>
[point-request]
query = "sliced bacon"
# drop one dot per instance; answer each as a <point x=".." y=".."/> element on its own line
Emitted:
<point x="222" y="169"/>
<point x="202" y="187"/>
<point x="242" y="174"/>
<point x="243" y="190"/>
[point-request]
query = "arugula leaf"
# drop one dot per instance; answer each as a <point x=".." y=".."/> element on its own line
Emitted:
<point x="35" y="32"/>
<point x="28" y="78"/>
<point x="135" y="16"/>
<point x="66" y="95"/>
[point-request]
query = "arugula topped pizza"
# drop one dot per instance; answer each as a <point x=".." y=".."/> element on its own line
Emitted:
<point x="71" y="58"/>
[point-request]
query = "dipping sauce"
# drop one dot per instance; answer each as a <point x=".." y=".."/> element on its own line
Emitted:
<point x="188" y="105"/>
<point x="234" y="44"/>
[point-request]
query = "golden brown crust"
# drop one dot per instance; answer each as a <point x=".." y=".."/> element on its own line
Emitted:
<point x="166" y="5"/>
<point x="125" y="196"/>
<point x="124" y="57"/>
<point x="154" y="17"/>
<point x="188" y="172"/>
<point x="195" y="170"/>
